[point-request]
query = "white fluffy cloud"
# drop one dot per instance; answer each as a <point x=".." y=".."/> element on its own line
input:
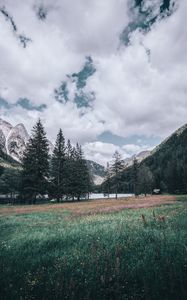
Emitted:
<point x="103" y="152"/>
<point x="72" y="30"/>
<point x="139" y="89"/>
<point x="139" y="93"/>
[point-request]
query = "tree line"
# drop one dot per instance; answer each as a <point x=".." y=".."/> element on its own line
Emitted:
<point x="62" y="175"/>
<point x="137" y="179"/>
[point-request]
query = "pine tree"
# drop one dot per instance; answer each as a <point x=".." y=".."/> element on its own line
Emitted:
<point x="69" y="170"/>
<point x="116" y="168"/>
<point x="57" y="167"/>
<point x="69" y="149"/>
<point x="135" y="176"/>
<point x="81" y="180"/>
<point x="107" y="183"/>
<point x="36" y="164"/>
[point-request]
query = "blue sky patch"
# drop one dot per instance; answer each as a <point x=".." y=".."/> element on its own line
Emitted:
<point x="27" y="104"/>
<point x="108" y="137"/>
<point x="143" y="17"/>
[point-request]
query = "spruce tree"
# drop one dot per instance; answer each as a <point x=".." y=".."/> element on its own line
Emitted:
<point x="69" y="149"/>
<point x="116" y="168"/>
<point x="36" y="164"/>
<point x="135" y="176"/>
<point x="68" y="170"/>
<point x="57" y="167"/>
<point x="82" y="180"/>
<point x="107" y="182"/>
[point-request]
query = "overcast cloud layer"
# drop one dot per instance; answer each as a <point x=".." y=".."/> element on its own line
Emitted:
<point x="136" y="89"/>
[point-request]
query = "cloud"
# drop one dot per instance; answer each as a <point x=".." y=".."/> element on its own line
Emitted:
<point x="100" y="152"/>
<point x="103" y="152"/>
<point x="135" y="90"/>
<point x="141" y="94"/>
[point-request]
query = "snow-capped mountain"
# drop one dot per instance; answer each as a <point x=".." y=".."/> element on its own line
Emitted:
<point x="16" y="141"/>
<point x="5" y="127"/>
<point x="13" y="139"/>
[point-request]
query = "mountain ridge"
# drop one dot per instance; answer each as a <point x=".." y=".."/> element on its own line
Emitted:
<point x="167" y="163"/>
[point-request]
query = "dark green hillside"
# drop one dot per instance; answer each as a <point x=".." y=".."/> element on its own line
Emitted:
<point x="168" y="164"/>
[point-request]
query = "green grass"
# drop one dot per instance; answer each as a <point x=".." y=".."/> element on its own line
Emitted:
<point x="107" y="256"/>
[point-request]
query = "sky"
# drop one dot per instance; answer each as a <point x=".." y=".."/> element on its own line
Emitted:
<point x="111" y="73"/>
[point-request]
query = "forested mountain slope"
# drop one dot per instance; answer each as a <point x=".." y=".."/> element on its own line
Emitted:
<point x="168" y="164"/>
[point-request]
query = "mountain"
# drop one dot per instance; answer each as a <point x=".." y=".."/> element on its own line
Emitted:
<point x="167" y="162"/>
<point x="16" y="141"/>
<point x="140" y="156"/>
<point x="97" y="171"/>
<point x="13" y="140"/>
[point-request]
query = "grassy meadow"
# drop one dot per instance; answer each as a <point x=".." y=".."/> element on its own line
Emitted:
<point x="100" y="249"/>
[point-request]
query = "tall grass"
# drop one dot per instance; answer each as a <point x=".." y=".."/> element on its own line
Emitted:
<point x="116" y="256"/>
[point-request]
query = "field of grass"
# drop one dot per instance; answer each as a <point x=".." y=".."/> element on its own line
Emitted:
<point x="101" y="249"/>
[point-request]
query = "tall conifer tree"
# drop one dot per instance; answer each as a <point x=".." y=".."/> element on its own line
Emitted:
<point x="82" y="180"/>
<point x="116" y="168"/>
<point x="135" y="176"/>
<point x="108" y="179"/>
<point x="68" y="170"/>
<point x="57" y="167"/>
<point x="36" y="164"/>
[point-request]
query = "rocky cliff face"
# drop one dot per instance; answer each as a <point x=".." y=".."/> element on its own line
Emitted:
<point x="16" y="141"/>
<point x="2" y="141"/>
<point x="13" y="139"/>
<point x="5" y="127"/>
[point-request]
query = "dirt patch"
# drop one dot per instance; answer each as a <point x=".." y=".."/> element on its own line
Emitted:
<point x="135" y="204"/>
<point x="91" y="206"/>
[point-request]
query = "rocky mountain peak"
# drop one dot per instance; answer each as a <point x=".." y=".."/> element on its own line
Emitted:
<point x="13" y="140"/>
<point x="21" y="130"/>
<point x="5" y="127"/>
<point x="16" y="141"/>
